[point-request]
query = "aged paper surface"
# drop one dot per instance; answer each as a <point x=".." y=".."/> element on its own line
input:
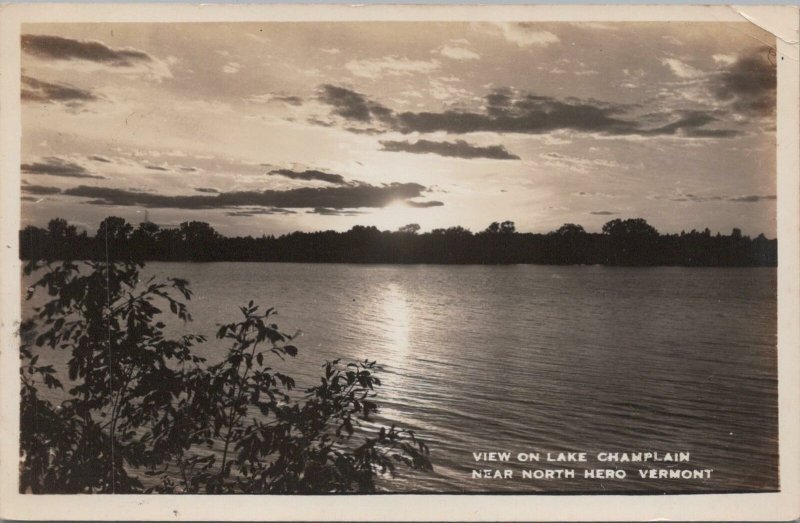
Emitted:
<point x="567" y="235"/>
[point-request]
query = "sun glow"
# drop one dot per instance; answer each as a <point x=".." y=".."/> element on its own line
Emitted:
<point x="394" y="216"/>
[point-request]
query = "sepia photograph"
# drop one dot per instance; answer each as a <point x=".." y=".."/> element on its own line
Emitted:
<point x="381" y="257"/>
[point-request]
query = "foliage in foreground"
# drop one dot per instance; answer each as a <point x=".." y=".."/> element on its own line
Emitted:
<point x="144" y="413"/>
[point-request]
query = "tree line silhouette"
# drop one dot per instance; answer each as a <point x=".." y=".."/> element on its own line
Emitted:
<point x="628" y="242"/>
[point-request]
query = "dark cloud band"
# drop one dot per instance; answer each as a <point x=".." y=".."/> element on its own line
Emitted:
<point x="457" y="149"/>
<point x="55" y="166"/>
<point x="59" y="48"/>
<point x="34" y="90"/>
<point x="248" y="213"/>
<point x="345" y="197"/>
<point x="352" y="105"/>
<point x="323" y="211"/>
<point x="40" y="189"/>
<point x="509" y="112"/>
<point x="750" y="198"/>
<point x="310" y="175"/>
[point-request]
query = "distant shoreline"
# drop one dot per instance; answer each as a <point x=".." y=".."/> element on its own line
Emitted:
<point x="625" y="243"/>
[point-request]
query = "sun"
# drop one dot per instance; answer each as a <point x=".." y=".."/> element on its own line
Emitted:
<point x="394" y="216"/>
<point x="396" y="205"/>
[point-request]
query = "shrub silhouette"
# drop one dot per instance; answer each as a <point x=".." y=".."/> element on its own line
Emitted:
<point x="144" y="413"/>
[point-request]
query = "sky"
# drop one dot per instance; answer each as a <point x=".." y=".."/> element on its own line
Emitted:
<point x="276" y="127"/>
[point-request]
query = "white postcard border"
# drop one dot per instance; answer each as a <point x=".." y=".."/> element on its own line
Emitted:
<point x="785" y="505"/>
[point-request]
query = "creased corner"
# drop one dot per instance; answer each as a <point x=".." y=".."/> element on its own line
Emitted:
<point x="781" y="21"/>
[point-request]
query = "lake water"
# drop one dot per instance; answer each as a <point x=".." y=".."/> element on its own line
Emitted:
<point x="536" y="359"/>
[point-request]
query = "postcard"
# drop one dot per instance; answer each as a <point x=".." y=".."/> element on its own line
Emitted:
<point x="400" y="262"/>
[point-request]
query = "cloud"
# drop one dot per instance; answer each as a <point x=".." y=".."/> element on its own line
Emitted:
<point x="423" y="205"/>
<point x="34" y="90"/>
<point x="55" y="166"/>
<point x="532" y="114"/>
<point x="752" y="198"/>
<point x="260" y="211"/>
<point x="681" y="69"/>
<point x="691" y="124"/>
<point x="511" y="112"/>
<point x="59" y="48"/>
<point x="695" y="198"/>
<point x="331" y="50"/>
<point x="750" y="83"/>
<point x="457" y="149"/>
<point x="319" y="122"/>
<point x="726" y="59"/>
<point x="527" y="114"/>
<point x="94" y="54"/>
<point x="711" y="133"/>
<point x="743" y="84"/>
<point x="231" y="68"/>
<point x="458" y="53"/>
<point x="324" y="211"/>
<point x="206" y="190"/>
<point x="572" y="163"/>
<point x="594" y="193"/>
<point x="310" y="174"/>
<point x="144" y="159"/>
<point x="526" y="34"/>
<point x="355" y="196"/>
<point x="673" y="40"/>
<point x="352" y="105"/>
<point x="444" y="90"/>
<point x="390" y="66"/>
<point x="40" y="189"/>
<point x="291" y="100"/>
<point x="269" y="98"/>
<point x="603" y="213"/>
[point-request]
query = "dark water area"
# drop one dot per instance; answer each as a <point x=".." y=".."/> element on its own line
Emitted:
<point x="532" y="358"/>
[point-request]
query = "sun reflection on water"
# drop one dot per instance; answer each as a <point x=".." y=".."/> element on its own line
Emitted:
<point x="396" y="319"/>
<point x="395" y="337"/>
